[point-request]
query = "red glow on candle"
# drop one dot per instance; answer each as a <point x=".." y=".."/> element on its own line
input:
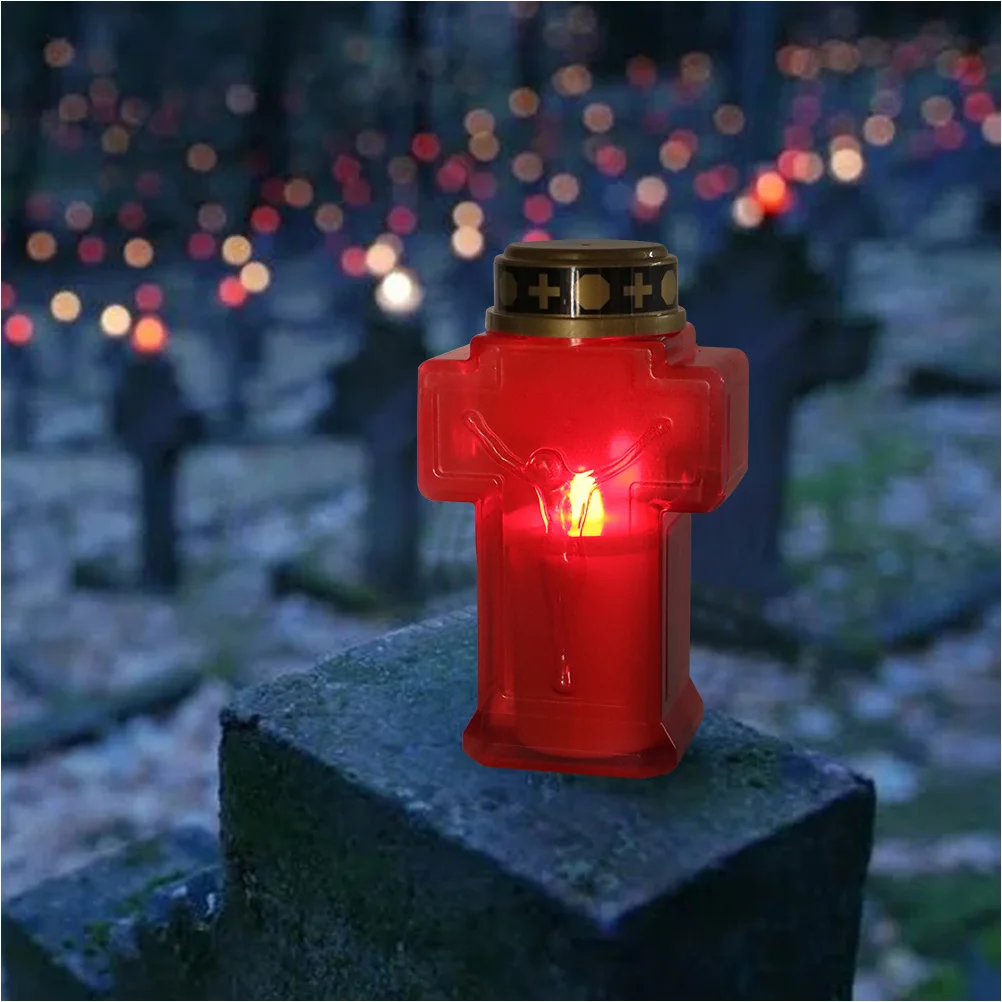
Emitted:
<point x="91" y="250"/>
<point x="231" y="292"/>
<point x="401" y="220"/>
<point x="18" y="329"/>
<point x="149" y="297"/>
<point x="265" y="219"/>
<point x="201" y="246"/>
<point x="425" y="147"/>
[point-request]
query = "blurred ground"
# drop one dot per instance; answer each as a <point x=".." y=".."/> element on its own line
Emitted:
<point x="886" y="495"/>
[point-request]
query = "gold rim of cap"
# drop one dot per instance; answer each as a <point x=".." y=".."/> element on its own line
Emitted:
<point x="585" y="288"/>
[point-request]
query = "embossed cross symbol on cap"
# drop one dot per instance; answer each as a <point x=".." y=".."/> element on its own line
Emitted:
<point x="544" y="291"/>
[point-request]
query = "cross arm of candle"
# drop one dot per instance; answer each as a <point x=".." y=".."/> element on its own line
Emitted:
<point x="624" y="462"/>
<point x="492" y="442"/>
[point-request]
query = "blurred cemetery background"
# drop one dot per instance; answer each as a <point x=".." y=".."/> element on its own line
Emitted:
<point x="230" y="234"/>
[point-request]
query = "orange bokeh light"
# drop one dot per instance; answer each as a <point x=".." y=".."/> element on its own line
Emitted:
<point x="149" y="336"/>
<point x="771" y="192"/>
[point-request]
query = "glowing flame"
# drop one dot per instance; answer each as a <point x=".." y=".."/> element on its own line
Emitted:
<point x="585" y="507"/>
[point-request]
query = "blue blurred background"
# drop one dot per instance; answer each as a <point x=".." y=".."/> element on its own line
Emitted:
<point x="232" y="232"/>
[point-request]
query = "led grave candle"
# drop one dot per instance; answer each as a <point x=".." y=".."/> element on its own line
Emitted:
<point x="584" y="425"/>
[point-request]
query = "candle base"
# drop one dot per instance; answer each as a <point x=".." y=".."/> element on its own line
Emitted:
<point x="492" y="740"/>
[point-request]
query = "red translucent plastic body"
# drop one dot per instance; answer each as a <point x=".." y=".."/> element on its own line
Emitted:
<point x="584" y="459"/>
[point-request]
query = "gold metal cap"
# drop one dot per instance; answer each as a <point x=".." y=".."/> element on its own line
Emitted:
<point x="585" y="288"/>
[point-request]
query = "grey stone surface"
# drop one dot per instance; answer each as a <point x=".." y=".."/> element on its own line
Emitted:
<point x="136" y="924"/>
<point x="367" y="857"/>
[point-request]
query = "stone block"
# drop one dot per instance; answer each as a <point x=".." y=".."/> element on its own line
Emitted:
<point x="136" y="924"/>
<point x="367" y="857"/>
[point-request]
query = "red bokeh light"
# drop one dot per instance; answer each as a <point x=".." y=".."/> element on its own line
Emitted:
<point x="452" y="174"/>
<point x="611" y="161"/>
<point x="771" y="192"/>
<point x="538" y="209"/>
<point x="91" y="250"/>
<point x="149" y="297"/>
<point x="39" y="207"/>
<point x="533" y="235"/>
<point x="425" y="147"/>
<point x="201" y="246"/>
<point x="978" y="106"/>
<point x="7" y="296"/>
<point x="346" y="169"/>
<point x="353" y="261"/>
<point x="131" y="216"/>
<point x="273" y="190"/>
<point x="18" y="329"/>
<point x="231" y="292"/>
<point x="401" y="220"/>
<point x="357" y="192"/>
<point x="950" y="136"/>
<point x="483" y="185"/>
<point x="265" y="219"/>
<point x="149" y="336"/>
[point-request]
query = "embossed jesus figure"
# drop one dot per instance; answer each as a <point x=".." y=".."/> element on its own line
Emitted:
<point x="548" y="473"/>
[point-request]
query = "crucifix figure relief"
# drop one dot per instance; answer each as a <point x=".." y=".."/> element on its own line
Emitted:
<point x="563" y="510"/>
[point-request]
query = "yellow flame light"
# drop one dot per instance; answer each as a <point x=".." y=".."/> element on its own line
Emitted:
<point x="587" y="512"/>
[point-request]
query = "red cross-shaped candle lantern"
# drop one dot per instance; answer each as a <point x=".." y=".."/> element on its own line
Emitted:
<point x="585" y="425"/>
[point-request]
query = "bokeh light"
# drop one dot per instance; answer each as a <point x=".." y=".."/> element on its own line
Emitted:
<point x="298" y="193"/>
<point x="148" y="297"/>
<point x="651" y="191"/>
<point x="523" y="102"/>
<point x="527" y="167"/>
<point x="771" y="192"/>
<point x="729" y="119"/>
<point x="990" y="129"/>
<point x="381" y="258"/>
<point x="846" y="165"/>
<point x="240" y="99"/>
<point x="115" y="320"/>
<point x="467" y="242"/>
<point x="201" y="246"/>
<point x="91" y="249"/>
<point x="149" y="336"/>
<point x="402" y="220"/>
<point x="564" y="188"/>
<point x="18" y="329"/>
<point x="747" y="212"/>
<point x="353" y="261"/>
<point x="399" y="292"/>
<point x="78" y="215"/>
<point x="598" y="118"/>
<point x="41" y="246"/>
<point x="236" y="250"/>
<point x="484" y="146"/>
<point x="58" y="53"/>
<point x="255" y="276"/>
<point x="329" y="218"/>
<point x="478" y="120"/>
<point x="201" y="157"/>
<point x="211" y="217"/>
<point x="138" y="253"/>
<point x="231" y="292"/>
<point x="65" y="306"/>
<point x="265" y="219"/>
<point x="879" y="130"/>
<point x="468" y="214"/>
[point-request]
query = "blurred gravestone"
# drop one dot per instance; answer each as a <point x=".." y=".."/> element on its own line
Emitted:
<point x="155" y="424"/>
<point x="374" y="397"/>
<point x="760" y="295"/>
